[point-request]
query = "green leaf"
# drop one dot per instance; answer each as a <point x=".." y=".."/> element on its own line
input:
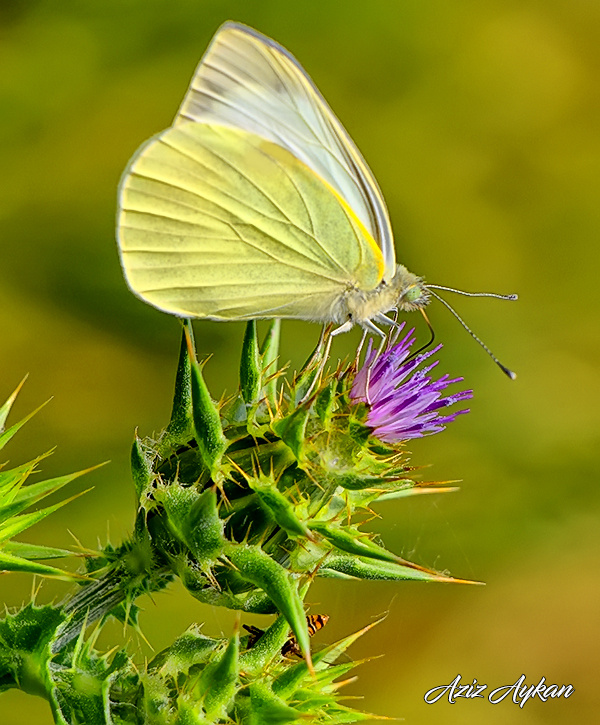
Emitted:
<point x="176" y="501"/>
<point x="324" y="404"/>
<point x="6" y="407"/>
<point x="354" y="481"/>
<point x="37" y="491"/>
<point x="34" y="551"/>
<point x="416" y="490"/>
<point x="12" y="479"/>
<point x="8" y="562"/>
<point x="327" y="656"/>
<point x="305" y="379"/>
<point x="15" y="497"/>
<point x="286" y="683"/>
<point x="25" y="640"/>
<point x="6" y="435"/>
<point x="86" y="684"/>
<point x="27" y="496"/>
<point x="17" y="524"/>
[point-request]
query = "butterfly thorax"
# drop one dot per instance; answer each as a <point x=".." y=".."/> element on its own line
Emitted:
<point x="405" y="292"/>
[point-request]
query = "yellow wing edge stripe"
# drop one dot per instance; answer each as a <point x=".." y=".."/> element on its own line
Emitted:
<point x="375" y="248"/>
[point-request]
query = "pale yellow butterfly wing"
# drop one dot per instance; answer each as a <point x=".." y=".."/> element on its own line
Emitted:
<point x="248" y="81"/>
<point x="219" y="223"/>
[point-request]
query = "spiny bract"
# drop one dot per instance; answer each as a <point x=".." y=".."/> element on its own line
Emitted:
<point x="249" y="498"/>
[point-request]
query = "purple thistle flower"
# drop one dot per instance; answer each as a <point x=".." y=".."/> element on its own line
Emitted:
<point x="403" y="400"/>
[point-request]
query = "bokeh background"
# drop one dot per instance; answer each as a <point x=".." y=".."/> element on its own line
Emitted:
<point x="481" y="123"/>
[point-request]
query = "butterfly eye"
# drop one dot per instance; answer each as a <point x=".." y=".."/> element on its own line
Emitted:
<point x="413" y="294"/>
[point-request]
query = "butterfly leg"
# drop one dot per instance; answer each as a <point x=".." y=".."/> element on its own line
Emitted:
<point x="325" y="332"/>
<point x="384" y="320"/>
<point x="346" y="327"/>
<point x="324" y="340"/>
<point x="368" y="326"/>
<point x="360" y="347"/>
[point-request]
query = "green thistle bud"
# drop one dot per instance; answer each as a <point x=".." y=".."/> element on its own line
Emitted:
<point x="252" y="502"/>
<point x="181" y="425"/>
<point x="246" y="503"/>
<point x="205" y="414"/>
<point x="250" y="366"/>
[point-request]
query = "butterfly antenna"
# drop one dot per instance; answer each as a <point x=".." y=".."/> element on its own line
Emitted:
<point x="472" y="294"/>
<point x="502" y="367"/>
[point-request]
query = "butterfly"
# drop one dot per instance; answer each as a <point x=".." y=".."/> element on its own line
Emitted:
<point x="256" y="203"/>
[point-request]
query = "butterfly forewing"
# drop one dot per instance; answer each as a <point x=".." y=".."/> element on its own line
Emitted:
<point x="218" y="222"/>
<point x="247" y="81"/>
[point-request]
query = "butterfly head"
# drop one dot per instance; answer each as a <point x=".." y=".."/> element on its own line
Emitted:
<point x="410" y="291"/>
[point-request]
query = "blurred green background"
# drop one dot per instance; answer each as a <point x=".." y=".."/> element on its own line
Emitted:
<point x="481" y="123"/>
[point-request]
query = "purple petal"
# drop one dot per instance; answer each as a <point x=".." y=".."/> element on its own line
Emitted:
<point x="403" y="400"/>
